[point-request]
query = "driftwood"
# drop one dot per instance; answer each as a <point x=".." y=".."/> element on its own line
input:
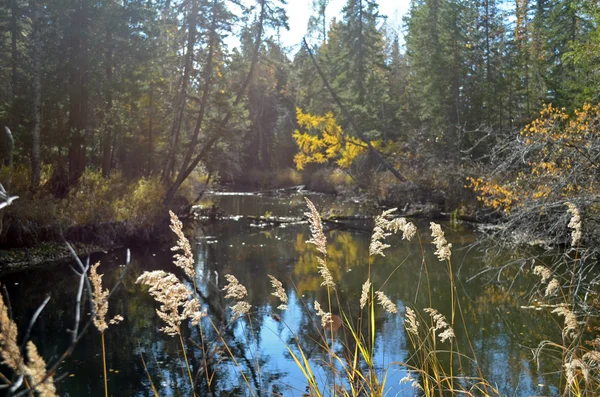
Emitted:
<point x="354" y="222"/>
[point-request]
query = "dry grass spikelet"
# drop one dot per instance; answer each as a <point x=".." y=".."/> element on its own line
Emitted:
<point x="279" y="293"/>
<point x="35" y="370"/>
<point x="574" y="365"/>
<point x="316" y="228"/>
<point x="386" y="303"/>
<point x="377" y="245"/>
<point x="593" y="356"/>
<point x="325" y="274"/>
<point x="241" y="308"/>
<point x="235" y="290"/>
<point x="410" y="322"/>
<point x="543" y="272"/>
<point x="440" y="323"/>
<point x="396" y="225"/>
<point x="384" y="228"/>
<point x="9" y="349"/>
<point x="193" y="311"/>
<point x="325" y="316"/>
<point x="409" y="231"/>
<point x="100" y="298"/>
<point x="174" y="297"/>
<point x="574" y="223"/>
<point x="443" y="248"/>
<point x="186" y="260"/>
<point x="410" y="379"/>
<point x="570" y="327"/>
<point x="553" y="286"/>
<point x="364" y="295"/>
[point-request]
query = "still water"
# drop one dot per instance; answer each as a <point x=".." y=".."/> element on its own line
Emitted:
<point x="501" y="332"/>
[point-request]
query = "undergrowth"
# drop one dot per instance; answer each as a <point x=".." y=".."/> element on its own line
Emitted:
<point x="94" y="199"/>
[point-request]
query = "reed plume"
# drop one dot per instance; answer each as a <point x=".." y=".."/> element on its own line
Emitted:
<point x="574" y="365"/>
<point x="325" y="316"/>
<point x="185" y="260"/>
<point x="35" y="368"/>
<point x="236" y="291"/>
<point x="443" y="248"/>
<point x="316" y="228"/>
<point x="384" y="228"/>
<point x="440" y="323"/>
<point x="36" y="372"/>
<point x="317" y="238"/>
<point x="9" y="349"/>
<point x="364" y="295"/>
<point x="570" y="325"/>
<point x="386" y="303"/>
<point x="543" y="272"/>
<point x="174" y="297"/>
<point x="279" y="293"/>
<point x="574" y="223"/>
<point x="553" y="286"/>
<point x="100" y="299"/>
<point x="410" y="321"/>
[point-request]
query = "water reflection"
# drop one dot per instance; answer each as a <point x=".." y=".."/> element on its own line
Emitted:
<point x="498" y="329"/>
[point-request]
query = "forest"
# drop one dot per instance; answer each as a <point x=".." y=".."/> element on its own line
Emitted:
<point x="117" y="110"/>
<point x="277" y="168"/>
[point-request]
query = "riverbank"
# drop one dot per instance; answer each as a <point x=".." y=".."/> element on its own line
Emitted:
<point x="30" y="238"/>
<point x="33" y="245"/>
<point x="45" y="254"/>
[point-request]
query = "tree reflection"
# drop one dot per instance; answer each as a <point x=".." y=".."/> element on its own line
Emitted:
<point x="498" y="328"/>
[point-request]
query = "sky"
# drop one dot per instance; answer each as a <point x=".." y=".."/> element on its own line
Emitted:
<point x="298" y="12"/>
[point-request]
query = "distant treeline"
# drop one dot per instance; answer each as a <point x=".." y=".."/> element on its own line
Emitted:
<point x="157" y="89"/>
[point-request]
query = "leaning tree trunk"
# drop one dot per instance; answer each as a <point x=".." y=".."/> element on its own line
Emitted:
<point x="215" y="137"/>
<point x="182" y="96"/>
<point x="37" y="97"/>
<point x="14" y="61"/>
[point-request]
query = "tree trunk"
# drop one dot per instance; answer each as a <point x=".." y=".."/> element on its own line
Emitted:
<point x="214" y="138"/>
<point x="14" y="33"/>
<point x="78" y="91"/>
<point x="108" y="132"/>
<point x="149" y="155"/>
<point x="350" y="118"/>
<point x="182" y="97"/>
<point x="37" y="97"/>
<point x="207" y="78"/>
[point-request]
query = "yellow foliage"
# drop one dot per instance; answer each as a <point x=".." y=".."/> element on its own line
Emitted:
<point x="323" y="140"/>
<point x="492" y="194"/>
<point x="560" y="162"/>
<point x="142" y="202"/>
<point x="94" y="199"/>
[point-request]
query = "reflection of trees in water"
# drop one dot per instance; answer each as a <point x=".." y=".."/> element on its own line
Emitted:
<point x="496" y="325"/>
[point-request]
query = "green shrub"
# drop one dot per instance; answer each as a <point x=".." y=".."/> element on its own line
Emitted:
<point x="142" y="203"/>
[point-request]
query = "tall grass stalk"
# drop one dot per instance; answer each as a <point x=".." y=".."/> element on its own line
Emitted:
<point x="187" y="364"/>
<point x="100" y="300"/>
<point x="104" y="366"/>
<point x="154" y="391"/>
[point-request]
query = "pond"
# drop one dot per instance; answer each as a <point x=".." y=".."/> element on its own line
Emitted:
<point x="500" y="329"/>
